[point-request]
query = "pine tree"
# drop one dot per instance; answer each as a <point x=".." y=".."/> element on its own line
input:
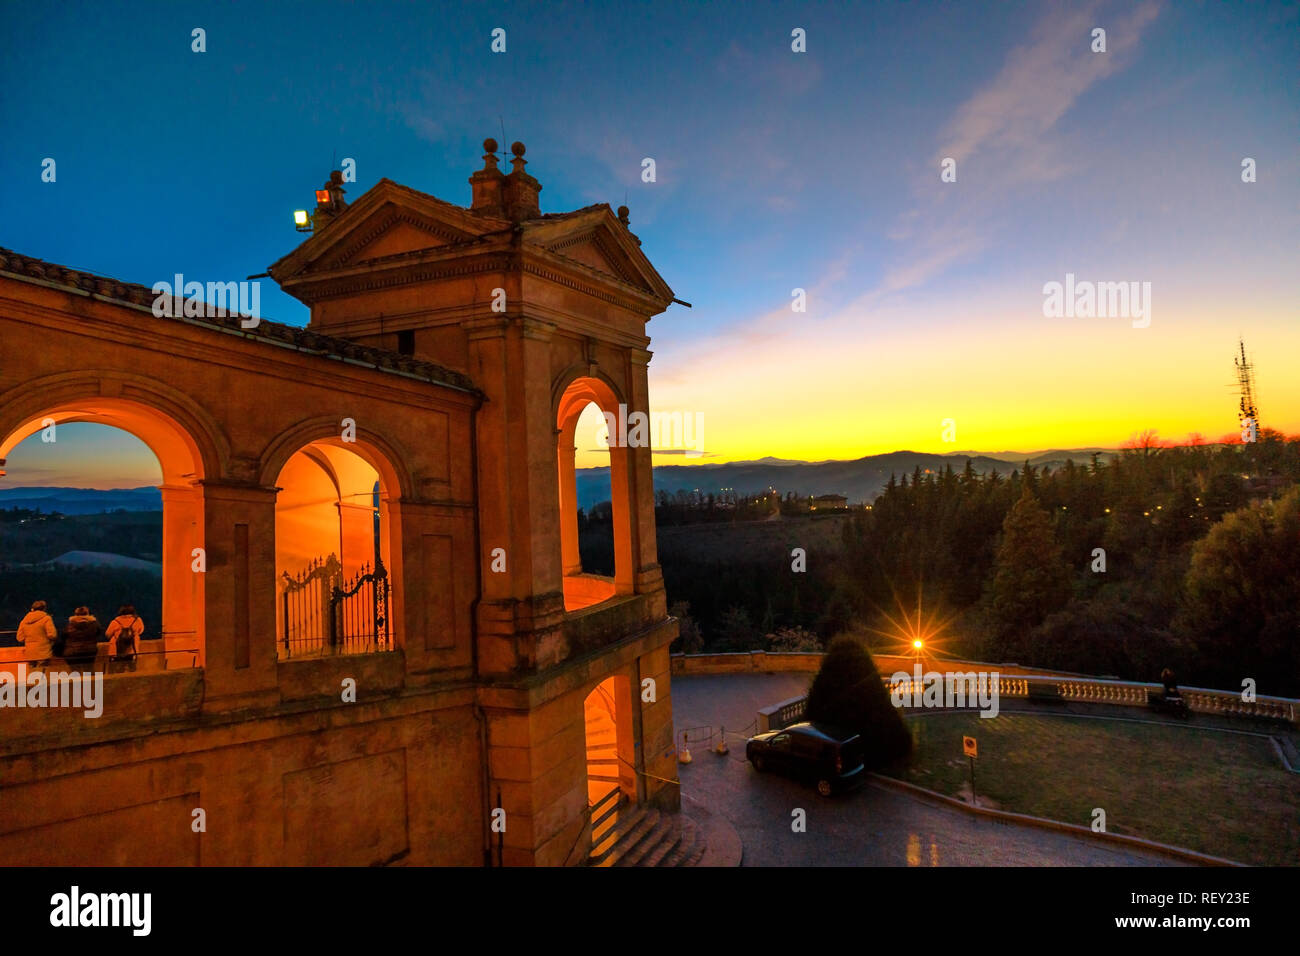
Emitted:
<point x="848" y="693"/>
<point x="1030" y="578"/>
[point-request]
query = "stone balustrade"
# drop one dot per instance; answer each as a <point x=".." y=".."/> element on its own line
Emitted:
<point x="1093" y="691"/>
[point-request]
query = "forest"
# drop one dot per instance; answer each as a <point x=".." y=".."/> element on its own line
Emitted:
<point x="1182" y="556"/>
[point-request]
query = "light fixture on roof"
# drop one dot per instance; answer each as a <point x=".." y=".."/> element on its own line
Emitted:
<point x="302" y="220"/>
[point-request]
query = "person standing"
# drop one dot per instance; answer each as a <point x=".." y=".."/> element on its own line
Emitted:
<point x="81" y="638"/>
<point x="124" y="633"/>
<point x="37" y="634"/>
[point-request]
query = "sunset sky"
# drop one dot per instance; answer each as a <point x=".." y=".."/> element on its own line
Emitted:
<point x="775" y="170"/>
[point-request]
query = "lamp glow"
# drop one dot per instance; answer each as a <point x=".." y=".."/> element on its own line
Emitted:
<point x="300" y="217"/>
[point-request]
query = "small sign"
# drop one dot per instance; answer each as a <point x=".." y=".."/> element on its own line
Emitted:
<point x="969" y="747"/>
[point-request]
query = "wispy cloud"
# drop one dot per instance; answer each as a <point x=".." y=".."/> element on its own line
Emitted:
<point x="1006" y="131"/>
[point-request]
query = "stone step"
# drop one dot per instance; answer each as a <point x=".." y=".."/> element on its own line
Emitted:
<point x="638" y="854"/>
<point x="671" y="840"/>
<point x="624" y="822"/>
<point x="685" y="846"/>
<point x="628" y="838"/>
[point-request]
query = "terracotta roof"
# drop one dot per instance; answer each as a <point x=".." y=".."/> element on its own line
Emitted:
<point x="277" y="333"/>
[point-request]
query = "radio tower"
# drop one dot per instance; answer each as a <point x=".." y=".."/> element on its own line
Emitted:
<point x="1246" y="382"/>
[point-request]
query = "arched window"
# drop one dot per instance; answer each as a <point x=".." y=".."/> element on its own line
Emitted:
<point x="104" y="560"/>
<point x="333" y="588"/>
<point x="582" y="587"/>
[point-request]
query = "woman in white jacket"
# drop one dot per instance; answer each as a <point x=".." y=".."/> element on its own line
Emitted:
<point x="38" y="633"/>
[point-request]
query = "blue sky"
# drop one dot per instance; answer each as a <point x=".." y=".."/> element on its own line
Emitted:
<point x="775" y="170"/>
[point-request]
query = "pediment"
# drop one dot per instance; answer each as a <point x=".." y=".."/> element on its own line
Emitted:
<point x="600" y="242"/>
<point x="390" y="231"/>
<point x="388" y="220"/>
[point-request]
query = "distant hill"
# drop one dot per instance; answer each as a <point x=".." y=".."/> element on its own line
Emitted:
<point x="860" y="480"/>
<point x="81" y="501"/>
<point x="88" y="559"/>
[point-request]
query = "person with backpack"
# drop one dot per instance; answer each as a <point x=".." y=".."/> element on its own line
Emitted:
<point x="124" y="633"/>
<point x="38" y="634"/>
<point x="81" y="638"/>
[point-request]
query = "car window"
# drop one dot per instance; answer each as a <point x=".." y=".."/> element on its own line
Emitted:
<point x="781" y="742"/>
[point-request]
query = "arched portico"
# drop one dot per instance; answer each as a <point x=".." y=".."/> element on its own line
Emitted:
<point x="583" y="590"/>
<point x="183" y="452"/>
<point x="333" y="528"/>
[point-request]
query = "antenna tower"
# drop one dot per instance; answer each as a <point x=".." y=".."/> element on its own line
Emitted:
<point x="1246" y="384"/>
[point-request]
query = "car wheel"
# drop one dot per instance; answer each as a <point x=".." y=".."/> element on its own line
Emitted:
<point x="758" y="763"/>
<point x="824" y="787"/>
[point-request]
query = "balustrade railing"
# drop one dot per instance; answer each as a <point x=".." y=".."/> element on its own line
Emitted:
<point x="1038" y="687"/>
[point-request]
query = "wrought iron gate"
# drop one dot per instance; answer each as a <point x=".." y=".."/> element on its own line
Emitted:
<point x="323" y="614"/>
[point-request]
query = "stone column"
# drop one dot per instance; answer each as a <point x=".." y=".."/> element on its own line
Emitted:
<point x="181" y="626"/>
<point x="239" y="603"/>
<point x="357" y="536"/>
<point x="568" y="481"/>
<point x="649" y="577"/>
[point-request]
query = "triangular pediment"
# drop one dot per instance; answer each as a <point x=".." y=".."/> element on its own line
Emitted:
<point x="597" y="240"/>
<point x="388" y="220"/>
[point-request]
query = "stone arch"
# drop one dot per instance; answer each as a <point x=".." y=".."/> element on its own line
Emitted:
<point x="164" y="418"/>
<point x="327" y="518"/>
<point x="189" y="447"/>
<point x="574" y="392"/>
<point x="609" y="734"/>
<point x="375" y="448"/>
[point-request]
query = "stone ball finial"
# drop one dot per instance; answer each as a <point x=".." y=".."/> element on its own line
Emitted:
<point x="336" y="177"/>
<point x="489" y="145"/>
<point x="622" y="213"/>
<point x="517" y="148"/>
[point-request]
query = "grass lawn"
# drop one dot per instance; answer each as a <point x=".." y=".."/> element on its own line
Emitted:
<point x="1218" y="793"/>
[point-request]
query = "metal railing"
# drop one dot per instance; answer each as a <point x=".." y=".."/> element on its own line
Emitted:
<point x="305" y="607"/>
<point x="113" y="663"/>
<point x="359" y="613"/>
<point x="322" y="614"/>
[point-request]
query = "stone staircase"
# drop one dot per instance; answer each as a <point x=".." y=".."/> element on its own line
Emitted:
<point x="623" y="835"/>
<point x="602" y="754"/>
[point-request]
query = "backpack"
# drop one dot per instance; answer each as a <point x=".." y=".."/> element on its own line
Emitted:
<point x="126" y="638"/>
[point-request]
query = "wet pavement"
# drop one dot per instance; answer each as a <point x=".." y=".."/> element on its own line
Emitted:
<point x="871" y="826"/>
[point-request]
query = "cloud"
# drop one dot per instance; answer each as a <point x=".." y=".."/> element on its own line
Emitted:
<point x="1005" y="130"/>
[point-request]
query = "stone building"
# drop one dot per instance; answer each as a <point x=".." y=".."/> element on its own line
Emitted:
<point x="415" y="444"/>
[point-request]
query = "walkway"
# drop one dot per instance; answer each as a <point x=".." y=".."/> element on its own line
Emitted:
<point x="871" y="827"/>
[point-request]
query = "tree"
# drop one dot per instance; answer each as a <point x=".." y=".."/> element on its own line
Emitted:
<point x="1030" y="579"/>
<point x="848" y="693"/>
<point x="689" y="639"/>
<point x="735" y="632"/>
<point x="1239" y="605"/>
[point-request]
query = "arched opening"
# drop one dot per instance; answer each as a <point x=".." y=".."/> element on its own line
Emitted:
<point x="591" y="401"/>
<point x="332" y="553"/>
<point x="137" y="542"/>
<point x="611" y="770"/>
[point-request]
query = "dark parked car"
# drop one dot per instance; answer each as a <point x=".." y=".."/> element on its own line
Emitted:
<point x="817" y="753"/>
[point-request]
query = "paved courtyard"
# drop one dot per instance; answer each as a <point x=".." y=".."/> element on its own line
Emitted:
<point x="870" y="827"/>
